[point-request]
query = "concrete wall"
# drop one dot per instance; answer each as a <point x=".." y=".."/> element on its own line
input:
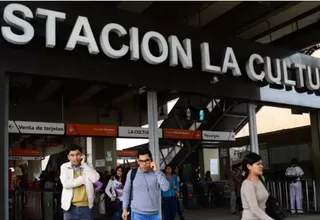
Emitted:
<point x="100" y="147"/>
<point x="274" y="119"/>
<point x="205" y="155"/>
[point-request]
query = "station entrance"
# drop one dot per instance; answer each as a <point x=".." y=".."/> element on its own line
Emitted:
<point x="91" y="90"/>
<point x="49" y="114"/>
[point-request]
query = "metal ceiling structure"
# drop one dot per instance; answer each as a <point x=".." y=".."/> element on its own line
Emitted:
<point x="291" y="25"/>
<point x="261" y="21"/>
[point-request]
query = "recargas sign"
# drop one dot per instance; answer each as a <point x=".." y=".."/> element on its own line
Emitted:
<point x="258" y="68"/>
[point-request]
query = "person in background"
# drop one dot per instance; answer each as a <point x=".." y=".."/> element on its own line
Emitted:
<point x="169" y="197"/>
<point x="78" y="179"/>
<point x="24" y="183"/>
<point x="146" y="188"/>
<point x="232" y="186"/>
<point x="101" y="193"/>
<point x="254" y="195"/>
<point x="112" y="174"/>
<point x="208" y="177"/>
<point x="294" y="174"/>
<point x="114" y="190"/>
<point x="181" y="186"/>
<point x="239" y="177"/>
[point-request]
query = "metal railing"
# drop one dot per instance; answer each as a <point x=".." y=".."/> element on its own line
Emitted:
<point x="281" y="191"/>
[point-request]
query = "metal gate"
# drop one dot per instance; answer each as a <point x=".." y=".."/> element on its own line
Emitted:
<point x="33" y="208"/>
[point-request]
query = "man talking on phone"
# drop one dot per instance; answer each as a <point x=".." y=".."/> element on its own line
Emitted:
<point x="144" y="193"/>
<point x="78" y="179"/>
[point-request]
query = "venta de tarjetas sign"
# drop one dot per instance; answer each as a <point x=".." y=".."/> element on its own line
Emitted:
<point x="273" y="71"/>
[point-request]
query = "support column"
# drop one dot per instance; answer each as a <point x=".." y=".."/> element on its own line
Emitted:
<point x="4" y="139"/>
<point x="315" y="150"/>
<point x="153" y="126"/>
<point x="253" y="128"/>
<point x="153" y="131"/>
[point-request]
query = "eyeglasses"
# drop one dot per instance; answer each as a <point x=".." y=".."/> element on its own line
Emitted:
<point x="144" y="161"/>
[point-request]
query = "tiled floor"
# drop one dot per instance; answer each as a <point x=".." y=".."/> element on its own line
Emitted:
<point x="224" y="214"/>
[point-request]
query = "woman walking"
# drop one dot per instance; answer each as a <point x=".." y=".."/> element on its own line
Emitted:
<point x="114" y="190"/>
<point x="254" y="195"/>
<point x="170" y="197"/>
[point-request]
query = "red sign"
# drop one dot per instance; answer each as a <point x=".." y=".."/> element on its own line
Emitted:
<point x="127" y="153"/>
<point x="25" y="153"/>
<point x="92" y="130"/>
<point x="170" y="133"/>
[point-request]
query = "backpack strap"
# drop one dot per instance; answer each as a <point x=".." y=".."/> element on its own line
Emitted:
<point x="132" y="176"/>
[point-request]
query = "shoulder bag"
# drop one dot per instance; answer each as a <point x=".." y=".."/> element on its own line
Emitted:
<point x="274" y="209"/>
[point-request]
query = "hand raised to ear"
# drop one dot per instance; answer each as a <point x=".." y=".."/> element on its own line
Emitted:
<point x="83" y="159"/>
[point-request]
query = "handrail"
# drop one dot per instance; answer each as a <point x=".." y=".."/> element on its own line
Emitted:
<point x="280" y="191"/>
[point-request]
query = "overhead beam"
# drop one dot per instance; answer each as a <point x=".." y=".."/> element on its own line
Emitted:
<point x="165" y="12"/>
<point x="125" y="96"/>
<point x="284" y="24"/>
<point x="93" y="90"/>
<point x="136" y="7"/>
<point x="300" y="39"/>
<point x="246" y="12"/>
<point x="211" y="12"/>
<point x="265" y="17"/>
<point x="48" y="90"/>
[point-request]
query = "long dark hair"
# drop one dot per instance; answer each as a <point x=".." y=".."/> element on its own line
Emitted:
<point x="250" y="159"/>
<point x="123" y="174"/>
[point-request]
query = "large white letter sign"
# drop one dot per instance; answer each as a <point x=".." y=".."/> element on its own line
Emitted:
<point x="299" y="69"/>
<point x="105" y="42"/>
<point x="254" y="58"/>
<point x="205" y="60"/>
<point x="23" y="25"/>
<point x="162" y="44"/>
<point x="177" y="51"/>
<point x="88" y="40"/>
<point x="230" y="62"/>
<point x="312" y="80"/>
<point x="284" y="75"/>
<point x="134" y="43"/>
<point x="51" y="16"/>
<point x="273" y="75"/>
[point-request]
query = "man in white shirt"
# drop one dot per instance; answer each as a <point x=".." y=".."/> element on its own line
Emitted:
<point x="78" y="179"/>
<point x="294" y="174"/>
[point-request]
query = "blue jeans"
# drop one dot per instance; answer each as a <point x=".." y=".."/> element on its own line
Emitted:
<point x="78" y="213"/>
<point x="118" y="213"/>
<point x="170" y="207"/>
<point x="136" y="216"/>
